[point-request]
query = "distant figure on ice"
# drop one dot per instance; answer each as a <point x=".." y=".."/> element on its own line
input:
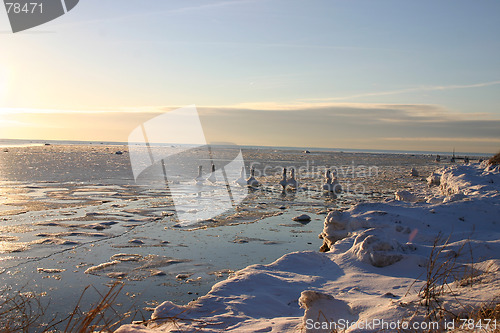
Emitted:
<point x="283" y="181"/>
<point x="336" y="187"/>
<point x="241" y="181"/>
<point x="212" y="177"/>
<point x="292" y="183"/>
<point x="331" y="183"/>
<point x="199" y="179"/>
<point x="327" y="186"/>
<point x="252" y="181"/>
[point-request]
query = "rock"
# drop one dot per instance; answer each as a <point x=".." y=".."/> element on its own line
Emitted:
<point x="157" y="272"/>
<point x="434" y="179"/>
<point x="414" y="172"/>
<point x="434" y="200"/>
<point x="405" y="196"/>
<point x="167" y="213"/>
<point x="136" y="241"/>
<point x="117" y="275"/>
<point x="316" y="304"/>
<point x="455" y="197"/>
<point x="302" y="218"/>
<point x="336" y="227"/>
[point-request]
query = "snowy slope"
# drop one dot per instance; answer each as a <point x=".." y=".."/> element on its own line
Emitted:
<point x="379" y="257"/>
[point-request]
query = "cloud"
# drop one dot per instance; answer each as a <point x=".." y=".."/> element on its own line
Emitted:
<point x="408" y="90"/>
<point x="444" y="139"/>
<point x="341" y="125"/>
<point x="13" y="123"/>
<point x="161" y="13"/>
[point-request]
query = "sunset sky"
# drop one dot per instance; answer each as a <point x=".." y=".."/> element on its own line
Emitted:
<point x="388" y="74"/>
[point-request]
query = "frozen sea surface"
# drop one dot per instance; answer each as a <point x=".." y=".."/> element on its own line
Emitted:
<point x="72" y="216"/>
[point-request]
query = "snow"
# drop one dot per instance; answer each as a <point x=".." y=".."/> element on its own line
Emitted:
<point x="376" y="262"/>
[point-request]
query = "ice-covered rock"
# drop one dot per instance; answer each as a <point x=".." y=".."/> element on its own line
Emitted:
<point x="375" y="250"/>
<point x="434" y="199"/>
<point x="317" y="304"/>
<point x="454" y="197"/>
<point x="406" y="196"/>
<point x="336" y="227"/>
<point x="434" y="179"/>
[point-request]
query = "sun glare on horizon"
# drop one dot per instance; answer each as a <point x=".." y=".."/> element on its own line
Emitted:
<point x="3" y="84"/>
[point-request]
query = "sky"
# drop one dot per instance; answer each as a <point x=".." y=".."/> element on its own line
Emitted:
<point x="388" y="74"/>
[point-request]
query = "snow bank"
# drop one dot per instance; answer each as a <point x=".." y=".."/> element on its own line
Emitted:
<point x="375" y="260"/>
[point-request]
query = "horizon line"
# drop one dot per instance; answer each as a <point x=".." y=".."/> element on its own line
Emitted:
<point x="308" y="148"/>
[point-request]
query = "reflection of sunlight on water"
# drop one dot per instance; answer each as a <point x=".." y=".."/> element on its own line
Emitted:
<point x="4" y="247"/>
<point x="8" y="247"/>
<point x="3" y="192"/>
<point x="15" y="144"/>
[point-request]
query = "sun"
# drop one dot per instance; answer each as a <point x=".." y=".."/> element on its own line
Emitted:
<point x="3" y="85"/>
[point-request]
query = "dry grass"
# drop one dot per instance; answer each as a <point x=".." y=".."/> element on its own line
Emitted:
<point x="19" y="311"/>
<point x="102" y="316"/>
<point x="24" y="312"/>
<point x="442" y="270"/>
<point x="495" y="160"/>
<point x="484" y="319"/>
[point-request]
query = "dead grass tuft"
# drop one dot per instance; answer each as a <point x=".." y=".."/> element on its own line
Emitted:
<point x="25" y="312"/>
<point x="495" y="160"/>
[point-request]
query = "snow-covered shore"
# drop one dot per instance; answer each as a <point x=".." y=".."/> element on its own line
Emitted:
<point x="379" y="256"/>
